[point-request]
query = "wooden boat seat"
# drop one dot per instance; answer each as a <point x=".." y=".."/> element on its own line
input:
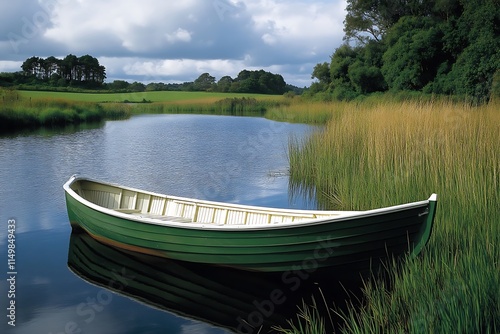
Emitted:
<point x="163" y="218"/>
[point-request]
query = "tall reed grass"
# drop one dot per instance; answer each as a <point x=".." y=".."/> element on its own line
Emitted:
<point x="377" y="154"/>
<point x="311" y="112"/>
<point x="19" y="113"/>
<point x="213" y="105"/>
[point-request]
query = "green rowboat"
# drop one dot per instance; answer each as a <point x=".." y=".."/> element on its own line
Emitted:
<point x="246" y="237"/>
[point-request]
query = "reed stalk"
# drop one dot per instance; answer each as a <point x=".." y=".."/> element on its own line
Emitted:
<point x="378" y="154"/>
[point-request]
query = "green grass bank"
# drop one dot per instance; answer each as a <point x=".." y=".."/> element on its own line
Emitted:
<point x="20" y="110"/>
<point x="373" y="155"/>
<point x="21" y="114"/>
<point x="138" y="97"/>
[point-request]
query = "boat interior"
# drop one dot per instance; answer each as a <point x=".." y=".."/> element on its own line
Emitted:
<point x="183" y="210"/>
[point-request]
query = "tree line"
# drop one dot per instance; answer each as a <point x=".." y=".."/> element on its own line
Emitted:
<point x="439" y="47"/>
<point x="71" y="70"/>
<point x="260" y="82"/>
<point x="86" y="72"/>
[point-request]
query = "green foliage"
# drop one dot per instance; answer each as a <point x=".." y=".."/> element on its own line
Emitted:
<point x="205" y="82"/>
<point x="475" y="33"/>
<point x="260" y="82"/>
<point x="309" y="321"/>
<point x="224" y="84"/>
<point x="414" y="53"/>
<point x="343" y="57"/>
<point x="495" y="90"/>
<point x="137" y="87"/>
<point x="59" y="79"/>
<point x="366" y="79"/>
<point x="238" y="105"/>
<point x="437" y="47"/>
<point x="84" y="71"/>
<point x="371" y="19"/>
<point x="18" y="113"/>
<point x="322" y="72"/>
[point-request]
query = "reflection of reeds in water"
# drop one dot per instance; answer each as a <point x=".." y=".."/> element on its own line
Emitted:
<point x="240" y="301"/>
<point x="375" y="154"/>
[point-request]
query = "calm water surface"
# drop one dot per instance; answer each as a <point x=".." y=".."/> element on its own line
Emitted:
<point x="231" y="159"/>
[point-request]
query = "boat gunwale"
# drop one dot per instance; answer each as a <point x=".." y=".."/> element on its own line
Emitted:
<point x="342" y="215"/>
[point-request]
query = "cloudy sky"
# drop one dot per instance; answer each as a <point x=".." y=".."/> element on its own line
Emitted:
<point x="175" y="41"/>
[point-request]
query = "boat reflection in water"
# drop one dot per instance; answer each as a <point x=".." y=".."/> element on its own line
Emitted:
<point x="240" y="301"/>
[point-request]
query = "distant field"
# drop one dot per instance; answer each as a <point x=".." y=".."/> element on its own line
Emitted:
<point x="156" y="96"/>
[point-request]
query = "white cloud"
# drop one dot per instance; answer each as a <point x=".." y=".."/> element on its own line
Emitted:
<point x="10" y="66"/>
<point x="269" y="39"/>
<point x="171" y="69"/>
<point x="57" y="320"/>
<point x="180" y="35"/>
<point x="306" y="27"/>
<point x="180" y="70"/>
<point x="197" y="328"/>
<point x="176" y="39"/>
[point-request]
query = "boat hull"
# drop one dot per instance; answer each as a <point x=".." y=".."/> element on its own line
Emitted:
<point x="355" y="243"/>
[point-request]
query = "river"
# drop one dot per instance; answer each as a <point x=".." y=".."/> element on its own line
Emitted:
<point x="231" y="159"/>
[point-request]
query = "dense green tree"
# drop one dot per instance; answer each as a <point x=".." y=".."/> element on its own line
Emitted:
<point x="84" y="70"/>
<point x="414" y="53"/>
<point x="270" y="83"/>
<point x="366" y="79"/>
<point x="137" y="87"/>
<point x="341" y="60"/>
<point x="258" y="82"/>
<point x="224" y="84"/>
<point x="474" y="40"/>
<point x="204" y="82"/>
<point x="321" y="72"/>
<point x="495" y="86"/>
<point x="343" y="57"/>
<point x="32" y="67"/>
<point x="249" y="85"/>
<point x="68" y="67"/>
<point x="443" y="46"/>
<point x="243" y="75"/>
<point x="371" y="19"/>
<point x="89" y="70"/>
<point x="51" y="67"/>
<point x="118" y="85"/>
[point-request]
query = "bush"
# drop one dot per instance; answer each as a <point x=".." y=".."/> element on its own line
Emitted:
<point x="55" y="116"/>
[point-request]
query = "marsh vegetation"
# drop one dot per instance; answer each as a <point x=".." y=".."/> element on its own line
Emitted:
<point x="379" y="153"/>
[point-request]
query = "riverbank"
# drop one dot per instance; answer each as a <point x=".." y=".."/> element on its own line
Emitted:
<point x="22" y="110"/>
<point x="377" y="154"/>
<point x="25" y="114"/>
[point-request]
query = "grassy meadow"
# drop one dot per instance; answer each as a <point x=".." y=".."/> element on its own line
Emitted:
<point x="373" y="154"/>
<point x="180" y="97"/>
